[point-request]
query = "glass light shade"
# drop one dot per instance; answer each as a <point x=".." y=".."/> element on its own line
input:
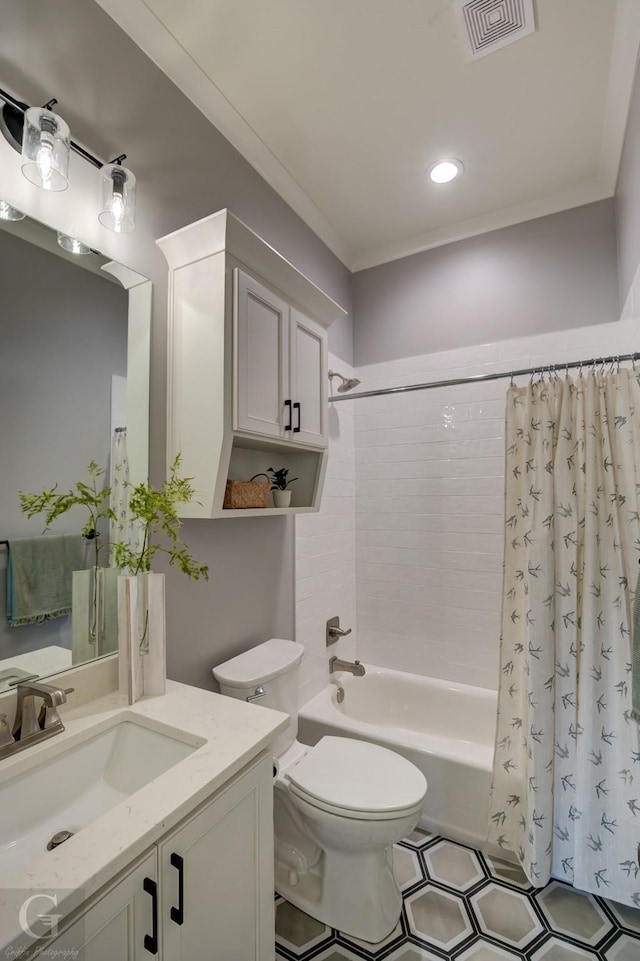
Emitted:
<point x="71" y="245"/>
<point x="7" y="212"/>
<point x="45" y="149"/>
<point x="117" y="198"/>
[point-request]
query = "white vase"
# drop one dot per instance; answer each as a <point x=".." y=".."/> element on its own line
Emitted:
<point x="281" y="498"/>
<point x="142" y="668"/>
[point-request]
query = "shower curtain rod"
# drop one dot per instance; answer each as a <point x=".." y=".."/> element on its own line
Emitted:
<point x="477" y="378"/>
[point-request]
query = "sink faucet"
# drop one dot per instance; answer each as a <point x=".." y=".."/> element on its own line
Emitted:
<point x="353" y="667"/>
<point x="29" y="727"/>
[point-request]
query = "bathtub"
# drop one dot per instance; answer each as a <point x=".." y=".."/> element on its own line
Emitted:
<point x="445" y="729"/>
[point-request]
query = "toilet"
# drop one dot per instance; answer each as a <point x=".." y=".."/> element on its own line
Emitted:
<point x="338" y="807"/>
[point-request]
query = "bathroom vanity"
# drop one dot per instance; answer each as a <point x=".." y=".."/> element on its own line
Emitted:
<point x="170" y="802"/>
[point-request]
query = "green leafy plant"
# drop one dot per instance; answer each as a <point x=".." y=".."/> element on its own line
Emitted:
<point x="86" y="495"/>
<point x="157" y="512"/>
<point x="279" y="481"/>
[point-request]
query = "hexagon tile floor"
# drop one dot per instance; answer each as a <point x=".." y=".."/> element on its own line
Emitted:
<point x="460" y="905"/>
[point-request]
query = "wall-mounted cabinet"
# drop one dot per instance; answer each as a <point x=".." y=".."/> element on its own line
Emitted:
<point x="247" y="377"/>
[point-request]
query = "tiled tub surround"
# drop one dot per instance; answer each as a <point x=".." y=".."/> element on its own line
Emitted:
<point x="460" y="905"/>
<point x="407" y="544"/>
<point x="447" y="730"/>
<point x="429" y="502"/>
<point x="325" y="570"/>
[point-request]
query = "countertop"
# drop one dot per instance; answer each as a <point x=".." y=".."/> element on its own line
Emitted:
<point x="229" y="733"/>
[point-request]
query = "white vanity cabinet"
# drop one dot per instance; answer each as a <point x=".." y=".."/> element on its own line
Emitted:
<point x="280" y="367"/>
<point x="119" y="925"/>
<point x="205" y="890"/>
<point x="247" y="365"/>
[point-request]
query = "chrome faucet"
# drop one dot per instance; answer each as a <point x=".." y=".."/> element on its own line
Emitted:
<point x="353" y="667"/>
<point x="29" y="727"/>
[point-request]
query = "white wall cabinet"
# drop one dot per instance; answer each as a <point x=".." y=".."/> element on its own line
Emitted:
<point x="247" y="365"/>
<point x="204" y="891"/>
<point x="280" y="367"/>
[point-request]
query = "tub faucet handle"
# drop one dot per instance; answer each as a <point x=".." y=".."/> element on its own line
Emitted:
<point x="334" y="631"/>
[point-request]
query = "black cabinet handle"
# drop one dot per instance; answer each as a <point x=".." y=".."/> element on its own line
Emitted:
<point x="296" y="406"/>
<point x="289" y="426"/>
<point x="151" y="940"/>
<point x="177" y="914"/>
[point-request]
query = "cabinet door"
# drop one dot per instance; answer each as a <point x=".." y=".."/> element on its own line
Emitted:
<point x="120" y="926"/>
<point x="309" y="380"/>
<point x="217" y="876"/>
<point x="262" y="399"/>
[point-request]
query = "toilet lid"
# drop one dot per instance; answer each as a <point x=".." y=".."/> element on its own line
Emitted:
<point x="357" y="777"/>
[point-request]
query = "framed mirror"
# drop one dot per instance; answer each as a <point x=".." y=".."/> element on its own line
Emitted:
<point x="74" y="373"/>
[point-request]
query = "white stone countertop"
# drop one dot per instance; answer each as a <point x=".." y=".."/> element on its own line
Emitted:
<point x="229" y="734"/>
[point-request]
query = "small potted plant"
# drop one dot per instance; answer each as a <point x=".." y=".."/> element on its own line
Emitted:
<point x="279" y="485"/>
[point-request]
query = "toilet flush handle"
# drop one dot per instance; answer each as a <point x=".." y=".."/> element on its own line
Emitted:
<point x="259" y="692"/>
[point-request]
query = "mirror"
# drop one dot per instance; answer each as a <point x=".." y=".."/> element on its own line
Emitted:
<point x="74" y="366"/>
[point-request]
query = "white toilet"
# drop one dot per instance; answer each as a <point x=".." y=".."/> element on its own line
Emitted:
<point x="338" y="807"/>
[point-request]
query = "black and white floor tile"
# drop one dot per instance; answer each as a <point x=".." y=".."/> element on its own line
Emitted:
<point x="460" y="905"/>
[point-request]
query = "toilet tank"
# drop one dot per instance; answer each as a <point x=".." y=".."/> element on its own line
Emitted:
<point x="275" y="666"/>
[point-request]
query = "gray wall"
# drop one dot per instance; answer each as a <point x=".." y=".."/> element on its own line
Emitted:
<point x="553" y="273"/>
<point x="627" y="200"/>
<point x="115" y="101"/>
<point x="63" y="334"/>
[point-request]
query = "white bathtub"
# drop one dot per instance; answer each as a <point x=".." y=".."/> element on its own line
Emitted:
<point x="445" y="729"/>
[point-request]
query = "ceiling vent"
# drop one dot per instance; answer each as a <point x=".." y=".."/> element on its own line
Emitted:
<point x="489" y="25"/>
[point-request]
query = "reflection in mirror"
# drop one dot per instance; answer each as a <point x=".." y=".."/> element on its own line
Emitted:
<point x="73" y="368"/>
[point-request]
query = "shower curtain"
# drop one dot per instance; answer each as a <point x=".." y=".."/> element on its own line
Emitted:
<point x="566" y="781"/>
<point x="123" y="528"/>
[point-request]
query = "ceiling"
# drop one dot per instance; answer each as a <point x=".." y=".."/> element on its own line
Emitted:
<point x="343" y="105"/>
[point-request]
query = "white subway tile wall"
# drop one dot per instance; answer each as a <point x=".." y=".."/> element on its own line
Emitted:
<point x="326" y="554"/>
<point x="419" y="531"/>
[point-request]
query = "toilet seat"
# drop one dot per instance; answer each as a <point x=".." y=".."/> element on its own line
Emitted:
<point x="357" y="779"/>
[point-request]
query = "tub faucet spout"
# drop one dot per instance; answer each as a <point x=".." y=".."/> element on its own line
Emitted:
<point x="353" y="667"/>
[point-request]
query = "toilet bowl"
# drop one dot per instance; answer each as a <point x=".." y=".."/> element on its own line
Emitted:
<point x="338" y="806"/>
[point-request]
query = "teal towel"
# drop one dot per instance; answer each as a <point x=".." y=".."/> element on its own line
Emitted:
<point x="635" y="657"/>
<point x="39" y="576"/>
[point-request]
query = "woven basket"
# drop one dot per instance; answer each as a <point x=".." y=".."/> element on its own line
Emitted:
<point x="242" y="495"/>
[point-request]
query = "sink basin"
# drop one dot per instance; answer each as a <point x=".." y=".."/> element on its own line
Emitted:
<point x="79" y="784"/>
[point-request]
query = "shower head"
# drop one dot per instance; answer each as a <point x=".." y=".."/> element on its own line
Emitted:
<point x="348" y="383"/>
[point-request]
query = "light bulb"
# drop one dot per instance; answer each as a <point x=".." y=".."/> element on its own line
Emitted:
<point x="44" y="161"/>
<point x="117" y="209"/>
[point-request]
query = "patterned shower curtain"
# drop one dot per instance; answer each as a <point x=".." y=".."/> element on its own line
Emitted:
<point x="566" y="781"/>
<point x="124" y="528"/>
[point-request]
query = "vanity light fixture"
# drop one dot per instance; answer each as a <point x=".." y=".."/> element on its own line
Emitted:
<point x="445" y="171"/>
<point x="72" y="246"/>
<point x="7" y="212"/>
<point x="43" y="138"/>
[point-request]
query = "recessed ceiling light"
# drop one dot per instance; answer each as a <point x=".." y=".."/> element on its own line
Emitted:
<point x="445" y="171"/>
